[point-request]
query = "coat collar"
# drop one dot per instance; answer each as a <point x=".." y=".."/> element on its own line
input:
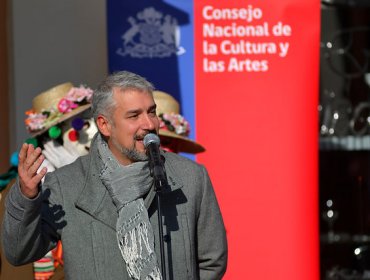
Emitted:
<point x="94" y="198"/>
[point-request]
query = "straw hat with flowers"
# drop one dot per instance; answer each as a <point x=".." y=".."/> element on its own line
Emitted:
<point x="174" y="129"/>
<point x="56" y="105"/>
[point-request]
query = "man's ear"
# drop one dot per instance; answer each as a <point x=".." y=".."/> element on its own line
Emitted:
<point x="104" y="125"/>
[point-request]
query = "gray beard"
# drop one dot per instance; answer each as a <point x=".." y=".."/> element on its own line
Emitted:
<point x="132" y="154"/>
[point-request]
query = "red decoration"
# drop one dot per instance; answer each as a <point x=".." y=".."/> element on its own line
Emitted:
<point x="73" y="135"/>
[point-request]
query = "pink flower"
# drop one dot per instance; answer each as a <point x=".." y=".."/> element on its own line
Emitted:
<point x="79" y="94"/>
<point x="178" y="122"/>
<point x="35" y="121"/>
<point x="65" y="105"/>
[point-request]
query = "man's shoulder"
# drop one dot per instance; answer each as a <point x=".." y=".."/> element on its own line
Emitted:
<point x="182" y="165"/>
<point x="79" y="165"/>
<point x="179" y="159"/>
<point x="70" y="176"/>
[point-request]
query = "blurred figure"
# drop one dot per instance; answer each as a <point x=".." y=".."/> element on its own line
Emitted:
<point x="60" y="123"/>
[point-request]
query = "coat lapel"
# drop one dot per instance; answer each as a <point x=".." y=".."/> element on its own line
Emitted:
<point x="174" y="181"/>
<point x="94" y="198"/>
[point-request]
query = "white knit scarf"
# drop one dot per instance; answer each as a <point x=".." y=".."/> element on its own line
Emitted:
<point x="127" y="185"/>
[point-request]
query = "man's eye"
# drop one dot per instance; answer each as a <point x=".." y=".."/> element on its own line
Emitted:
<point x="153" y="113"/>
<point x="133" y="116"/>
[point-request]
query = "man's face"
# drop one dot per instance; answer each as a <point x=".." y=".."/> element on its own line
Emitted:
<point x="134" y="116"/>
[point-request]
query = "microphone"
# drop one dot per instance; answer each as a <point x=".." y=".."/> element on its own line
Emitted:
<point x="151" y="143"/>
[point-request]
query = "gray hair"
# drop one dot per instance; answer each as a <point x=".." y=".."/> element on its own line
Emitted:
<point x="103" y="102"/>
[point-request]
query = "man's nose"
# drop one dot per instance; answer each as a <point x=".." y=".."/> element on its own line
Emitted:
<point x="149" y="122"/>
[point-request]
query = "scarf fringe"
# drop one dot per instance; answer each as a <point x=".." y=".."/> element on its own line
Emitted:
<point x="155" y="275"/>
<point x="132" y="244"/>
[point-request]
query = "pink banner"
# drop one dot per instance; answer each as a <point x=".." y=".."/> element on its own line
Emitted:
<point x="256" y="95"/>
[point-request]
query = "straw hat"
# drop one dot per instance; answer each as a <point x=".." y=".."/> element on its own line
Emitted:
<point x="56" y="105"/>
<point x="174" y="129"/>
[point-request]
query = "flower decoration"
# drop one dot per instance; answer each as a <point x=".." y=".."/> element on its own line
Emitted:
<point x="77" y="96"/>
<point x="66" y="106"/>
<point x="80" y="94"/>
<point x="35" y="121"/>
<point x="175" y="123"/>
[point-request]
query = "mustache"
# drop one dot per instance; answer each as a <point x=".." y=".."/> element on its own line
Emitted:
<point x="141" y="136"/>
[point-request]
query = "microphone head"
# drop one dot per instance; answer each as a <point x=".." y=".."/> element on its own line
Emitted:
<point x="151" y="138"/>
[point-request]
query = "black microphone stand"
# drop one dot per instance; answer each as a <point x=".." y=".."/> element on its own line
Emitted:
<point x="160" y="183"/>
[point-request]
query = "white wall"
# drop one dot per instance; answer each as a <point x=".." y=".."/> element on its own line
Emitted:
<point x="53" y="42"/>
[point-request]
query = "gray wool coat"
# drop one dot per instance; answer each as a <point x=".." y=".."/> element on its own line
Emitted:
<point x="74" y="206"/>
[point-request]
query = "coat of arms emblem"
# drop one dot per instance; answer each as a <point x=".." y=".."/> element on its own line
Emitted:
<point x="151" y="35"/>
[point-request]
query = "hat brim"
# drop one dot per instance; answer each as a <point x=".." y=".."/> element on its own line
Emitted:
<point x="179" y="143"/>
<point x="63" y="118"/>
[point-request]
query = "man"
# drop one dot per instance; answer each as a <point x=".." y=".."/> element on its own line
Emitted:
<point x="102" y="207"/>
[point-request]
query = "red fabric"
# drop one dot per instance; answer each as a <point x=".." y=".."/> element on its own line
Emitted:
<point x="259" y="127"/>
